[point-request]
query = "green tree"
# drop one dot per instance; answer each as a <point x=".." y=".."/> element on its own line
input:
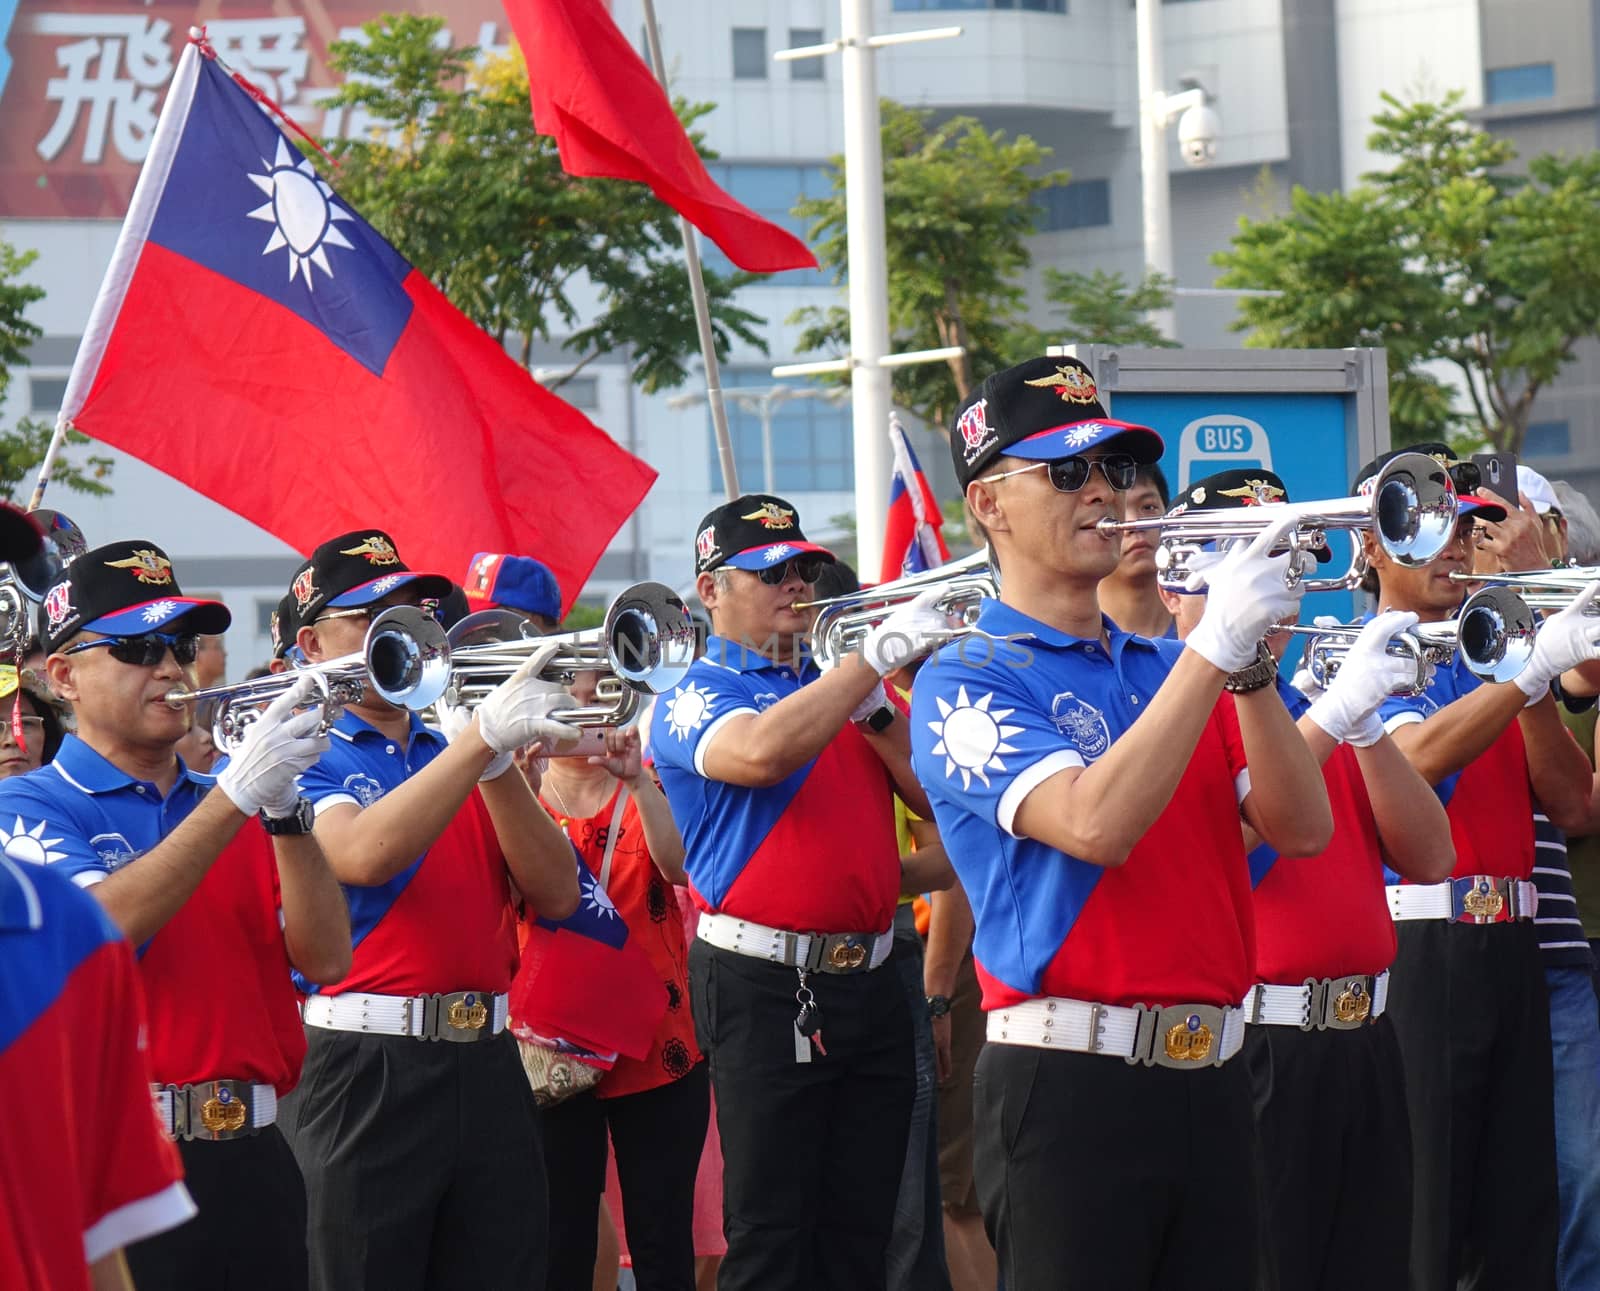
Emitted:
<point x="23" y="448"/>
<point x="1448" y="258"/>
<point x="1104" y="308"/>
<point x="453" y="174"/>
<point x="958" y="212"/>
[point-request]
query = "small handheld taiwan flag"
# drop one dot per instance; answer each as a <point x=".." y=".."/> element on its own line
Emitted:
<point x="256" y="339"/>
<point x="912" y="541"/>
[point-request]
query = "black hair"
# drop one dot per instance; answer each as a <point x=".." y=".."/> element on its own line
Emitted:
<point x="1155" y="475"/>
<point x="836" y="579"/>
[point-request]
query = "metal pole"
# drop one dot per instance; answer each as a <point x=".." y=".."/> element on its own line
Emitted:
<point x="1156" y="190"/>
<point x="766" y="445"/>
<point x="869" y="277"/>
<point x="697" y="288"/>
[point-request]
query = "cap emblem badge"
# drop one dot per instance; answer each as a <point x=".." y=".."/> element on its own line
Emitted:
<point x="705" y="545"/>
<point x="304" y="589"/>
<point x="58" y="605"/>
<point x="377" y="549"/>
<point x="1073" y="385"/>
<point x="771" y="516"/>
<point x="1254" y="493"/>
<point x="146" y="565"/>
<point x="973" y="427"/>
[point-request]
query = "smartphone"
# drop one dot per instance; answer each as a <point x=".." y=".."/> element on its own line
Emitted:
<point x="1498" y="472"/>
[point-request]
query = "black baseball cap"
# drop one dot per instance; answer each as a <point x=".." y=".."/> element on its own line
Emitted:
<point x="751" y="532"/>
<point x="125" y="589"/>
<point x="1043" y="410"/>
<point x="20" y="538"/>
<point x="355" y="569"/>
<point x="1464" y="475"/>
<point x="284" y="626"/>
<point x="1241" y="487"/>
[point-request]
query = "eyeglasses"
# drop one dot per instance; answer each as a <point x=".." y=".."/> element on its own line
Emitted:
<point x="1069" y="474"/>
<point x="808" y="567"/>
<point x="145" y="650"/>
<point x="429" y="605"/>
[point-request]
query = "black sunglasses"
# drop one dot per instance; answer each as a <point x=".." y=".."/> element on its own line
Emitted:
<point x="145" y="650"/>
<point x="1069" y="474"/>
<point x="808" y="567"/>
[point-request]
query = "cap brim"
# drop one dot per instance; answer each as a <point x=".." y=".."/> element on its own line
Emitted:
<point x="1142" y="443"/>
<point x="19" y="535"/>
<point x="1472" y="504"/>
<point x="377" y="588"/>
<point x="205" y="617"/>
<point x="770" y="554"/>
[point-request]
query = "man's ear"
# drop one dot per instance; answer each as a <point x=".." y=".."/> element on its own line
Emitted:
<point x="310" y="644"/>
<point x="61" y="672"/>
<point x="1169" y="600"/>
<point x="986" y="507"/>
<point x="705" y="587"/>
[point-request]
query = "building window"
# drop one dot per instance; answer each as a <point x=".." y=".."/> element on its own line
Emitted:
<point x="1519" y="84"/>
<point x="45" y="394"/>
<point x="749" y="53"/>
<point x="806" y="69"/>
<point x="812" y="445"/>
<point x="1547" y="439"/>
<point x="771" y="192"/>
<point x="930" y="6"/>
<point x="1083" y="204"/>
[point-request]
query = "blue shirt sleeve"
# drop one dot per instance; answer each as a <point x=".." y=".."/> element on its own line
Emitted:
<point x="38" y="827"/>
<point x="981" y="742"/>
<point x="685" y="719"/>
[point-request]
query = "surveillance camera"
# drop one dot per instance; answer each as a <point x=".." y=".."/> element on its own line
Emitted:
<point x="1198" y="129"/>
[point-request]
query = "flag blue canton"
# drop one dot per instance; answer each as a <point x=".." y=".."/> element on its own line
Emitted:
<point x="241" y="201"/>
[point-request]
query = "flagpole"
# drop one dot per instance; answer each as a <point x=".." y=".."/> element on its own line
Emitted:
<point x="697" y="289"/>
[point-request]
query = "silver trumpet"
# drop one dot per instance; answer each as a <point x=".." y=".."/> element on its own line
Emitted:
<point x="1542" y="589"/>
<point x="404" y="658"/>
<point x="644" y="647"/>
<point x="1411" y="510"/>
<point x="843" y="622"/>
<point x="26" y="583"/>
<point x="1494" y="633"/>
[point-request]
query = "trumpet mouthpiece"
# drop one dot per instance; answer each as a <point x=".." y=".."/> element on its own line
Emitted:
<point x="179" y="696"/>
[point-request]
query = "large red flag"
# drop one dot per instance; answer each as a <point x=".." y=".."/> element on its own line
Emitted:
<point x="611" y="119"/>
<point x="258" y="340"/>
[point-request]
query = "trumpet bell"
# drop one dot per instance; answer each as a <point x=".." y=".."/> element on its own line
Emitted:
<point x="408" y="657"/>
<point x="650" y="637"/>
<point x="1496" y="633"/>
<point x="1414" y="508"/>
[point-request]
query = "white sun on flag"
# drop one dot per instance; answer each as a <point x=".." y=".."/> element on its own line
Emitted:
<point x="301" y="209"/>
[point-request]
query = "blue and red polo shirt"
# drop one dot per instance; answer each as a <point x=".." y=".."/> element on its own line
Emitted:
<point x="1325" y="915"/>
<point x="815" y="852"/>
<point x="84" y="1168"/>
<point x="995" y="715"/>
<point x="1490" y="800"/>
<point x="444" y="923"/>
<point x="217" y="973"/>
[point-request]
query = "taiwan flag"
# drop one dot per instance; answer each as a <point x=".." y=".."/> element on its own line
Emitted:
<point x="912" y="541"/>
<point x="255" y="338"/>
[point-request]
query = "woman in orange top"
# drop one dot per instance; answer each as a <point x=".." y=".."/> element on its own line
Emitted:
<point x="656" y="1107"/>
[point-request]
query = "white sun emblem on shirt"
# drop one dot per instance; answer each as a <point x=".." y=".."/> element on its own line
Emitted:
<point x="971" y="738"/>
<point x="158" y="611"/>
<point x="24" y="844"/>
<point x="688" y="709"/>
<point x="774" y="554"/>
<point x="301" y="209"/>
<point x="597" y="900"/>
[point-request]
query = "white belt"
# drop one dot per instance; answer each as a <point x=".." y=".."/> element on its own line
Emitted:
<point x="817" y="952"/>
<point x="215" y="1109"/>
<point x="1331" y="1003"/>
<point x="1479" y="898"/>
<point x="455" y="1015"/>
<point x="1183" y="1036"/>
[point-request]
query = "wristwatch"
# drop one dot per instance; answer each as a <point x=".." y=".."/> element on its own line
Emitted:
<point x="1253" y="676"/>
<point x="938" y="1006"/>
<point x="879" y="721"/>
<point x="297" y="822"/>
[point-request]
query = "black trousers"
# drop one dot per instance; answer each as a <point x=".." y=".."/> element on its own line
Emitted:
<point x="1099" y="1175"/>
<point x="658" y="1135"/>
<point x="1472" y="1018"/>
<point x="422" y="1164"/>
<point x="250" y="1234"/>
<point x="1335" y="1158"/>
<point x="812" y="1152"/>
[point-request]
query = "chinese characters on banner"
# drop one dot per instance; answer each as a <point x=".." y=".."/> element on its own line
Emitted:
<point x="81" y="85"/>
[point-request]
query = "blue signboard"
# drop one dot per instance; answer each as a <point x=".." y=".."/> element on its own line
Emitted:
<point x="1307" y="439"/>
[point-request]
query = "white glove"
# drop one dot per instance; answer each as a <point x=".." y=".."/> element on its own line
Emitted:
<point x="911" y="630"/>
<point x="1564" y="641"/>
<point x="278" y="746"/>
<point x="1368" y="675"/>
<point x="1248" y="597"/>
<point x="876" y="698"/>
<point x="517" y="711"/>
<point x="453" y="720"/>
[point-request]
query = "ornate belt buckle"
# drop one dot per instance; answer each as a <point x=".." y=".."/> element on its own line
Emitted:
<point x="1481" y="899"/>
<point x="1353" y="1005"/>
<point x="468" y="1013"/>
<point x="1187" y="1036"/>
<point x="847" y="954"/>
<point x="222" y="1113"/>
